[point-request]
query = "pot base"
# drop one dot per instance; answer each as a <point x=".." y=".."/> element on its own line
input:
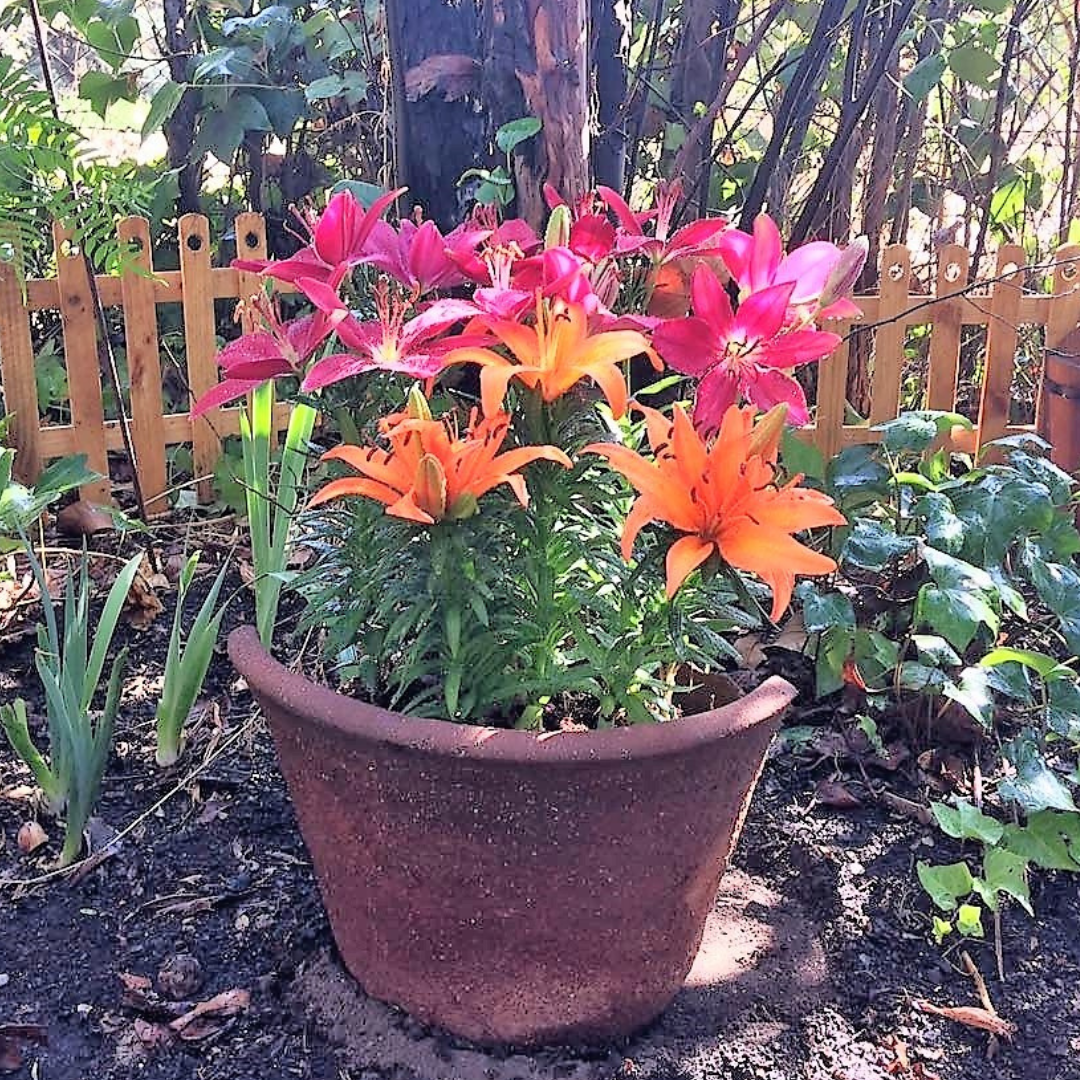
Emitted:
<point x="759" y="952"/>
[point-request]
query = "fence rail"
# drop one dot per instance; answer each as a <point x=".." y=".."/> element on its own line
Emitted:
<point x="1002" y="306"/>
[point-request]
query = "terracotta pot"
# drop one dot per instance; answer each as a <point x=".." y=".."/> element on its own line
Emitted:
<point x="509" y="887"/>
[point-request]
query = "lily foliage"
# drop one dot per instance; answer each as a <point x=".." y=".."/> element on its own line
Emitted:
<point x="549" y="529"/>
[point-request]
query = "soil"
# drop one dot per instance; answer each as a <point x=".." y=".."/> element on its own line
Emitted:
<point x="814" y="963"/>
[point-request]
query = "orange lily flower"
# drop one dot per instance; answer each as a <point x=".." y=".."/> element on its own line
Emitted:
<point x="724" y="497"/>
<point x="430" y="473"/>
<point x="554" y="354"/>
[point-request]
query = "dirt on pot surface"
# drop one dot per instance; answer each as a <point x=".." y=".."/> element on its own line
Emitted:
<point x="198" y="948"/>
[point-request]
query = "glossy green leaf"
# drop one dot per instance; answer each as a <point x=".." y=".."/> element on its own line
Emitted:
<point x="946" y="883"/>
<point x="965" y="822"/>
<point x="512" y="134"/>
<point x="1035" y="786"/>
<point x="873" y="545"/>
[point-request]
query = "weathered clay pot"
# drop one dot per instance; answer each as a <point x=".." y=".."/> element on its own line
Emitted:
<point x="509" y="887"/>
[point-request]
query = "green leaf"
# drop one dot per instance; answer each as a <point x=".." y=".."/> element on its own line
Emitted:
<point x="915" y="431"/>
<point x="65" y="474"/>
<point x="925" y="75"/>
<point x="1063" y="708"/>
<point x="163" y="104"/>
<point x="955" y="614"/>
<point x="1058" y="587"/>
<point x="974" y="64"/>
<point x="857" y="471"/>
<point x="365" y="193"/>
<point x="1043" y="841"/>
<point x="921" y="677"/>
<point x="969" y="921"/>
<point x="515" y="132"/>
<point x="973" y="694"/>
<point x="102" y="89"/>
<point x="876" y="656"/>
<point x="833" y="649"/>
<point x="822" y="610"/>
<point x="945" y="883"/>
<point x="800" y="456"/>
<point x="944" y="529"/>
<point x="935" y="650"/>
<point x="1040" y="663"/>
<point x="942" y="928"/>
<point x="1004" y="872"/>
<point x="1035" y="786"/>
<point x="872" y="545"/>
<point x="965" y="822"/>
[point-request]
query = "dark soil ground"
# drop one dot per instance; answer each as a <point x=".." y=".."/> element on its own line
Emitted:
<point x="822" y="911"/>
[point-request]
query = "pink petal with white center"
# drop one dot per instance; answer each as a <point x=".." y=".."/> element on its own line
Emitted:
<point x="247" y="349"/>
<point x="434" y="319"/>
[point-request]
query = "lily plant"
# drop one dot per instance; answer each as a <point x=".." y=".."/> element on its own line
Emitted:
<point x="524" y="533"/>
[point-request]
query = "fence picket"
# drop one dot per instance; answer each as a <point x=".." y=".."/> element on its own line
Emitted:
<point x="200" y="345"/>
<point x="832" y="394"/>
<point x="83" y="370"/>
<point x="944" y="361"/>
<point x="17" y="378"/>
<point x="144" y="364"/>
<point x="889" y="336"/>
<point x="1001" y="334"/>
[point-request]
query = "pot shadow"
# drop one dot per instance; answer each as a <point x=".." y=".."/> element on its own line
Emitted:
<point x="759" y="970"/>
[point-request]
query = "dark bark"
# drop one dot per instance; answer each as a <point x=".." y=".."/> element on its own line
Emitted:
<point x="833" y="158"/>
<point x="609" y="146"/>
<point x="179" y="129"/>
<point x="439" y="131"/>
<point x="803" y="83"/>
<point x="536" y="64"/>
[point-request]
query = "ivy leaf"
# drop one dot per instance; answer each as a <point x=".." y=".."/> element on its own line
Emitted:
<point x="223" y="130"/>
<point x="856" y="474"/>
<point x="974" y="65"/>
<point x="921" y="677"/>
<point x="1035" y="786"/>
<point x="1063" y="708"/>
<point x="954" y="613"/>
<point x="969" y="921"/>
<point x="973" y="694"/>
<point x="1058" y="587"/>
<point x="935" y="650"/>
<point x="833" y="649"/>
<point x="945" y="883"/>
<point x="1043" y="841"/>
<point x="915" y="431"/>
<point x="876" y="655"/>
<point x="966" y="822"/>
<point x="800" y="456"/>
<point x="822" y="610"/>
<point x="872" y="545"/>
<point x="1003" y="872"/>
<point x="1040" y="663"/>
<point x="944" y="529"/>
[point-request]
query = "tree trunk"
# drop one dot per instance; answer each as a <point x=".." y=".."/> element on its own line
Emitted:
<point x="179" y="129"/>
<point x="440" y="132"/>
<point x="609" y="148"/>
<point x="536" y="64"/>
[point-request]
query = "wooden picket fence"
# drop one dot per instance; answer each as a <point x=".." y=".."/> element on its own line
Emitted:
<point x="1002" y="307"/>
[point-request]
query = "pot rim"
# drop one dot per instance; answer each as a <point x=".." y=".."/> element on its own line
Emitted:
<point x="355" y="718"/>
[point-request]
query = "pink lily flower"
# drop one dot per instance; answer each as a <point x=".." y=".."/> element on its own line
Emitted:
<point x="757" y="261"/>
<point x="418" y="255"/>
<point x="697" y="239"/>
<point x="559" y="273"/>
<point x="338" y="236"/>
<point x="279" y="349"/>
<point x="740" y="353"/>
<point x="491" y="233"/>
<point x="386" y="343"/>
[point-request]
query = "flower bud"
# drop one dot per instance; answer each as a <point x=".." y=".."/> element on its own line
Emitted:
<point x="842" y="277"/>
<point x="416" y="405"/>
<point x="557" y="233"/>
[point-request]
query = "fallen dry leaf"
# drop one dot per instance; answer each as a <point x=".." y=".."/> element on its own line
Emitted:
<point x="13" y="1037"/>
<point x="153" y="1035"/>
<point x="971" y="1016"/>
<point x="180" y="976"/>
<point x="246" y="572"/>
<point x="31" y="836"/>
<point x="205" y="1019"/>
<point x="834" y="794"/>
<point x="142" y="606"/>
